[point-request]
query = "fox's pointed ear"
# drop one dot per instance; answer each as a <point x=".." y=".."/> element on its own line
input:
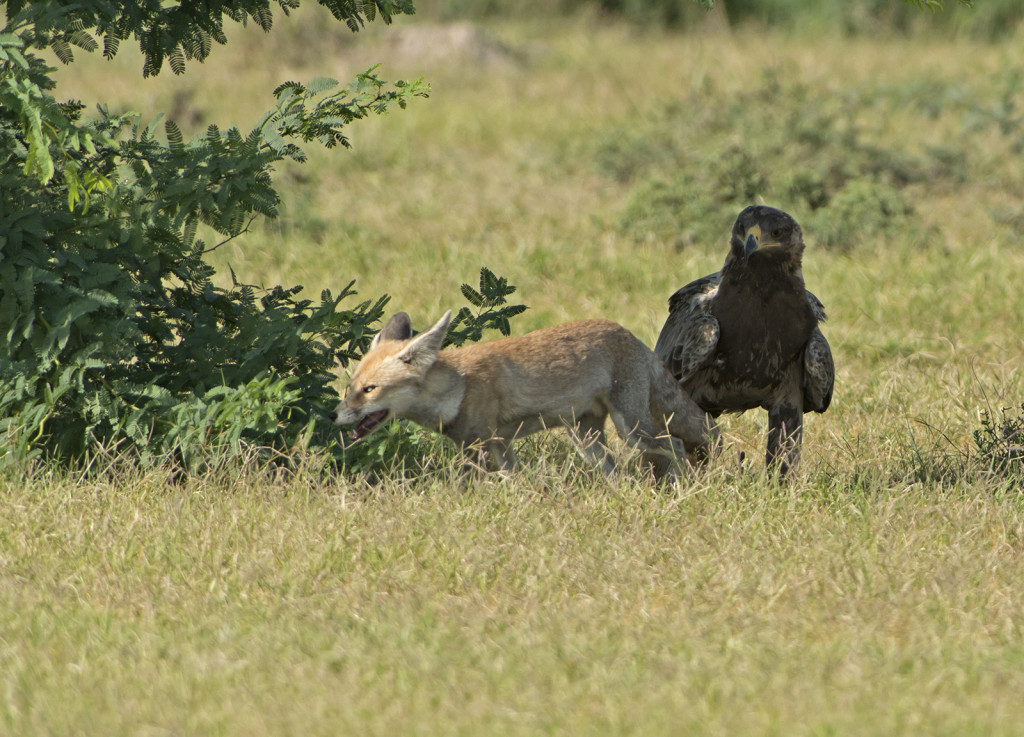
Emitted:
<point x="423" y="349"/>
<point x="399" y="327"/>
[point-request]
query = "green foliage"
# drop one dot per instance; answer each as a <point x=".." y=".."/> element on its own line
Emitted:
<point x="670" y="13"/>
<point x="812" y="155"/>
<point x="936" y="5"/>
<point x="673" y="13"/>
<point x="1000" y="441"/>
<point x="991" y="19"/>
<point x="116" y="335"/>
<point x="988" y="20"/>
<point x="399" y="449"/>
<point x="863" y="211"/>
<point x="492" y="310"/>
<point x="174" y="32"/>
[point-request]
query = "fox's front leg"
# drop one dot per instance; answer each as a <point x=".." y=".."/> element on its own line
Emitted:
<point x="695" y="428"/>
<point x="667" y="456"/>
<point x="490" y="455"/>
<point x="701" y="451"/>
<point x="499" y="455"/>
<point x="588" y="435"/>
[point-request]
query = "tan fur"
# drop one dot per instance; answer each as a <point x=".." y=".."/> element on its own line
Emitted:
<point x="575" y="375"/>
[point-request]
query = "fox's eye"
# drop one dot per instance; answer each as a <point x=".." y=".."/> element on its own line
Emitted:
<point x="369" y="388"/>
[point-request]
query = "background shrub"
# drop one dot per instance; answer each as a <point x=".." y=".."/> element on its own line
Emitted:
<point x="999" y="441"/>
<point x="807" y="149"/>
<point x="990" y="20"/>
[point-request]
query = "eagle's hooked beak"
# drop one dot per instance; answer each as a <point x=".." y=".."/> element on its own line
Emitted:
<point x="750" y="245"/>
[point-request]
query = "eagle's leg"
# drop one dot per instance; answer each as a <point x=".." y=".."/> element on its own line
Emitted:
<point x="785" y="432"/>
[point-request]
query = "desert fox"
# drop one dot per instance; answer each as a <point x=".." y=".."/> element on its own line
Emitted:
<point x="488" y="394"/>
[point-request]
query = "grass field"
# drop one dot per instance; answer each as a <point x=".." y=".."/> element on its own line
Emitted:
<point x="590" y="163"/>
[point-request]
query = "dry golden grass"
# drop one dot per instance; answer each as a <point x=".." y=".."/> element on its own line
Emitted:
<point x="244" y="604"/>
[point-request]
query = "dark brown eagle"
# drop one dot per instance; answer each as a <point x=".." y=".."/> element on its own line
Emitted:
<point x="748" y="335"/>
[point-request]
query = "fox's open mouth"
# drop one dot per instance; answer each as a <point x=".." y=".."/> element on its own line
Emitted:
<point x="368" y="424"/>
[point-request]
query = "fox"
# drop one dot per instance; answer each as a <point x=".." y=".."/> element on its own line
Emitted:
<point x="486" y="395"/>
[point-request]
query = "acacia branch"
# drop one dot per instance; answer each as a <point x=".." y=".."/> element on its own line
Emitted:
<point x="230" y="238"/>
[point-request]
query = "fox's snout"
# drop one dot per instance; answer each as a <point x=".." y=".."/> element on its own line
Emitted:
<point x="365" y="422"/>
<point x="342" y="414"/>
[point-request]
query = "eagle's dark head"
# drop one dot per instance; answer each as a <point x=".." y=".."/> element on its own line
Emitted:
<point x="764" y="235"/>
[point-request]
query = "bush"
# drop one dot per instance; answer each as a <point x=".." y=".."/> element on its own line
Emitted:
<point x="669" y="13"/>
<point x="696" y="166"/>
<point x="988" y="20"/>
<point x="116" y="335"/>
<point x="863" y="211"/>
<point x="1000" y="442"/>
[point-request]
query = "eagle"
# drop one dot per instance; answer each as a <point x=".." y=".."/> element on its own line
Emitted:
<point x="748" y="336"/>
